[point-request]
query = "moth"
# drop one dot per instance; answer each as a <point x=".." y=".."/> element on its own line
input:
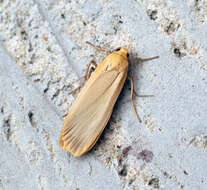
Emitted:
<point x="91" y="110"/>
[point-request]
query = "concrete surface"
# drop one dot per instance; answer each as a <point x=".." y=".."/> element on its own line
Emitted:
<point x="43" y="53"/>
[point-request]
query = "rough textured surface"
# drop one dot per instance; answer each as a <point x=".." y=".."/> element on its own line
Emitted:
<point x="42" y="55"/>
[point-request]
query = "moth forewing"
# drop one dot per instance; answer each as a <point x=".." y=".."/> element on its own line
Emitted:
<point x="92" y="108"/>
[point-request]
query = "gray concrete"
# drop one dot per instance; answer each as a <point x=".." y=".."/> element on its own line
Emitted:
<point x="43" y="53"/>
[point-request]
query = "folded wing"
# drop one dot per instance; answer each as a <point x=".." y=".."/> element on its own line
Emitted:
<point x="89" y="115"/>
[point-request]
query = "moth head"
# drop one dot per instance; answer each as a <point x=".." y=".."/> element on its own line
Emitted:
<point x="122" y="51"/>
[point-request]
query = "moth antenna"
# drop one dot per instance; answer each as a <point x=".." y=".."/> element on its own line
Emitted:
<point x="98" y="47"/>
<point x="145" y="59"/>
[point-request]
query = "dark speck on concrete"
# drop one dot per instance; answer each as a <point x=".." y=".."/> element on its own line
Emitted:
<point x="126" y="150"/>
<point x="145" y="155"/>
<point x="154" y="182"/>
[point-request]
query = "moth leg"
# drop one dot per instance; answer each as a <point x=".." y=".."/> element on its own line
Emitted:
<point x="97" y="47"/>
<point x="65" y="114"/>
<point x="78" y="87"/>
<point x="77" y="80"/>
<point x="85" y="78"/>
<point x="131" y="99"/>
<point x="91" y="70"/>
<point x="143" y="96"/>
<point x="145" y="59"/>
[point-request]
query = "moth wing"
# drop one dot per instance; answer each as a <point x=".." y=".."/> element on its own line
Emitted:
<point x="81" y="131"/>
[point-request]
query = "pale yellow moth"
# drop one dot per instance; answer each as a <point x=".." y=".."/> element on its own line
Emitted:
<point x="90" y="112"/>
